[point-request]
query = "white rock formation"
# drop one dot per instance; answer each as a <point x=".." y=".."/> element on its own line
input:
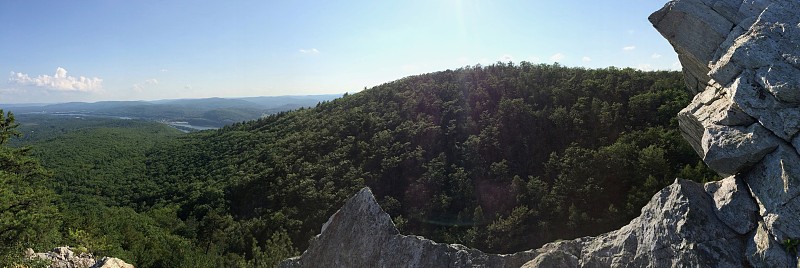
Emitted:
<point x="64" y="257"/>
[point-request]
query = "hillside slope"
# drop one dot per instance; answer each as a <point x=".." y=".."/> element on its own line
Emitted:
<point x="487" y="156"/>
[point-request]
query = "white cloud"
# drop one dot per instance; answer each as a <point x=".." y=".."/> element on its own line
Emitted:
<point x="677" y="66"/>
<point x="629" y="48"/>
<point x="164" y="70"/>
<point x="147" y="83"/>
<point x="187" y="87"/>
<point x="60" y="81"/>
<point x="645" y="67"/>
<point x="506" y="58"/>
<point x="557" y="57"/>
<point x="586" y="59"/>
<point x="535" y="59"/>
<point x="656" y="56"/>
<point x="309" y="51"/>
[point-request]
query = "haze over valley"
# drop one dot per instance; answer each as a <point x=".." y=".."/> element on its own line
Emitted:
<point x="184" y="114"/>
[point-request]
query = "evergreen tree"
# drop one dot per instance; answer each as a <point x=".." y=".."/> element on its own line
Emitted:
<point x="28" y="217"/>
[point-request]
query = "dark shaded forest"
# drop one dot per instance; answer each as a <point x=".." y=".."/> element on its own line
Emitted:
<point x="502" y="158"/>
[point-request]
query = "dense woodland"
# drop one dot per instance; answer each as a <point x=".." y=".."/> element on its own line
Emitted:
<point x="501" y="158"/>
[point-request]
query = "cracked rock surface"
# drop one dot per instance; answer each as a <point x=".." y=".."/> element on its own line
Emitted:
<point x="742" y="59"/>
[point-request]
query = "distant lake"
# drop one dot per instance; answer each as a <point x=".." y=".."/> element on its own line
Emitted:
<point x="183" y="125"/>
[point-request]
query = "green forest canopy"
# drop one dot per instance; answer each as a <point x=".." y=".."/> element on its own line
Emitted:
<point x="502" y="158"/>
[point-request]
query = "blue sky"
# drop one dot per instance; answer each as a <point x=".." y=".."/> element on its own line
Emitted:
<point x="90" y="50"/>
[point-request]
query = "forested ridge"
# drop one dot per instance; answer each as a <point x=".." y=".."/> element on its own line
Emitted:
<point x="501" y="158"/>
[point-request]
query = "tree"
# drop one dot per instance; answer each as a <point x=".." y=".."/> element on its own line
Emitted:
<point x="8" y="128"/>
<point x="278" y="248"/>
<point x="28" y="217"/>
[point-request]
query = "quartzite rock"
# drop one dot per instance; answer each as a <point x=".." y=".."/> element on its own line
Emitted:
<point x="695" y="30"/>
<point x="755" y="71"/>
<point x="361" y="234"/>
<point x="728" y="150"/>
<point x="677" y="228"/>
<point x="64" y="257"/>
<point x="733" y="204"/>
<point x="109" y="262"/>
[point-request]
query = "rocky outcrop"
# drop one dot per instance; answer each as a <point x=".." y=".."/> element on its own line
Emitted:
<point x="742" y="58"/>
<point x="685" y="224"/>
<point x="680" y="227"/>
<point x="64" y="257"/>
<point x="361" y="234"/>
<point x="746" y="118"/>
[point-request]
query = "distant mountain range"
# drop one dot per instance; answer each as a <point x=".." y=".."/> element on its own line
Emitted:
<point x="201" y="113"/>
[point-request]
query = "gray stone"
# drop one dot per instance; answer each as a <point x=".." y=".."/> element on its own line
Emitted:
<point x="763" y="250"/>
<point x="775" y="184"/>
<point x="781" y="118"/>
<point x="781" y="80"/>
<point x="677" y="228"/>
<point x="733" y="204"/>
<point x="108" y="262"/>
<point x="695" y="30"/>
<point x="558" y="254"/>
<point x="755" y="70"/>
<point x="64" y="257"/>
<point x="361" y="234"/>
<point x="728" y="150"/>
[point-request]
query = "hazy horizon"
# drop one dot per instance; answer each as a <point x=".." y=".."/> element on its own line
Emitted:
<point x="148" y="50"/>
<point x="168" y="99"/>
